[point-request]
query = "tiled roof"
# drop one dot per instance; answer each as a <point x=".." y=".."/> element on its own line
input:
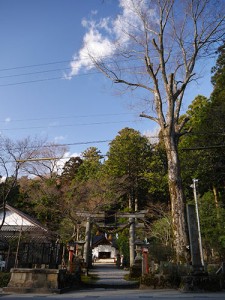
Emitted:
<point x="18" y="228"/>
<point x="100" y="240"/>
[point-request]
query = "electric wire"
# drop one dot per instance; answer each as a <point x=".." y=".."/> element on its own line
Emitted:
<point x="34" y="73"/>
<point x="65" y="61"/>
<point x="31" y="81"/>
<point x="69" y="125"/>
<point x="48" y="145"/>
<point x="67" y="117"/>
<point x="61" y="77"/>
<point x="49" y="70"/>
<point x="34" y="65"/>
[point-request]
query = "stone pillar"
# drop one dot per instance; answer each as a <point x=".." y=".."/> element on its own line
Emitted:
<point x="87" y="241"/>
<point x="196" y="258"/>
<point x="132" y="240"/>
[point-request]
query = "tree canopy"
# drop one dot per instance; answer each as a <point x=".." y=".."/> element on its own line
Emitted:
<point x="128" y="161"/>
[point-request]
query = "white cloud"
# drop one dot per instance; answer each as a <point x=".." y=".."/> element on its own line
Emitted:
<point x="59" y="138"/>
<point x="107" y="36"/>
<point x="94" y="12"/>
<point x="152" y="134"/>
<point x="95" y="45"/>
<point x="105" y="24"/>
<point x="53" y="124"/>
<point x="7" y="120"/>
<point x="62" y="161"/>
<point x="2" y="179"/>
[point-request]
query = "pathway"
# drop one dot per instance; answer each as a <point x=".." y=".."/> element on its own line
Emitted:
<point x="109" y="276"/>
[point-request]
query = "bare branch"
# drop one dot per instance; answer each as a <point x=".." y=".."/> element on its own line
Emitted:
<point x="142" y="115"/>
<point x="133" y="84"/>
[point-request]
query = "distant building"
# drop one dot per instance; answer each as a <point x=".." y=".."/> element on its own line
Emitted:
<point x="103" y="248"/>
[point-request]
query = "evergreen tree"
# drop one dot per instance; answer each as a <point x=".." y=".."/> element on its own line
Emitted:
<point x="128" y="161"/>
<point x="205" y="158"/>
<point x="71" y="168"/>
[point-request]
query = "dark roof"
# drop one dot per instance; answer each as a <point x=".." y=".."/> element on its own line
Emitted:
<point x="18" y="228"/>
<point x="100" y="240"/>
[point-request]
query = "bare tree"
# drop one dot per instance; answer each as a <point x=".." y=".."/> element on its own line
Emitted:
<point x="27" y="156"/>
<point x="46" y="160"/>
<point x="12" y="157"/>
<point x="157" y="52"/>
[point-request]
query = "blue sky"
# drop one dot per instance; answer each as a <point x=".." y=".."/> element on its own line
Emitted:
<point x="39" y="38"/>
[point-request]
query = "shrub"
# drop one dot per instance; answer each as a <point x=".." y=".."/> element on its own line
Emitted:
<point x="161" y="281"/>
<point x="167" y="276"/>
<point x="151" y="280"/>
<point x="4" y="279"/>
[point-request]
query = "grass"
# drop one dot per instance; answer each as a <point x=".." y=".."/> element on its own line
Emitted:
<point x="90" y="278"/>
<point x="127" y="277"/>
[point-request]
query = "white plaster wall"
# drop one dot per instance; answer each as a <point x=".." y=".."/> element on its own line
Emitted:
<point x="13" y="218"/>
<point x="104" y="248"/>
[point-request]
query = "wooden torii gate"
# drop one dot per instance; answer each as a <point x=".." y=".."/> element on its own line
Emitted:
<point x="132" y="217"/>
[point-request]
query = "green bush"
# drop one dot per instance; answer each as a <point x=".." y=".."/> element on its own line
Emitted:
<point x="211" y="283"/>
<point x="151" y="280"/>
<point x="4" y="279"/>
<point x="161" y="281"/>
<point x="167" y="276"/>
<point x="135" y="272"/>
<point x="212" y="268"/>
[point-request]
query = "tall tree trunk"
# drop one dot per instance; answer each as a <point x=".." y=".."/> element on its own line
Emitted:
<point x="215" y="193"/>
<point x="216" y="200"/>
<point x="178" y="209"/>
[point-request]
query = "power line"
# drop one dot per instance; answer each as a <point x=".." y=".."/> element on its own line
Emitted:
<point x="49" y="70"/>
<point x="81" y="143"/>
<point x="69" y="125"/>
<point x="54" y="70"/>
<point x="130" y="58"/>
<point x="35" y="65"/>
<point x="68" y="117"/>
<point x="66" y="61"/>
<point x="34" y="73"/>
<point x="110" y="140"/>
<point x="62" y="145"/>
<point x="31" y="81"/>
<point x="44" y="79"/>
<point x="61" y="77"/>
<point x="68" y="157"/>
